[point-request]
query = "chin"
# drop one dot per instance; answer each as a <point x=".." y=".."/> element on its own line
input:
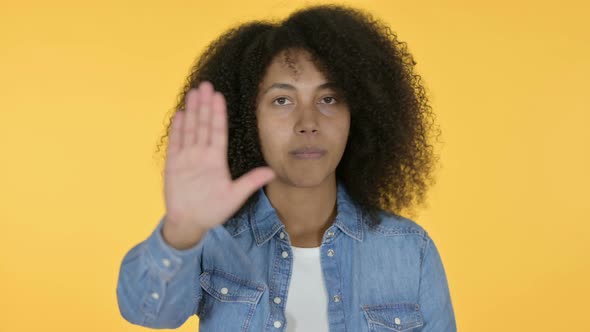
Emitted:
<point x="308" y="180"/>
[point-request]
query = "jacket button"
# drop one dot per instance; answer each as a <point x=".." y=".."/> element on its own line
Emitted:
<point x="155" y="295"/>
<point x="277" y="300"/>
<point x="277" y="324"/>
<point x="330" y="252"/>
<point x="397" y="321"/>
<point x="224" y="291"/>
<point x="282" y="235"/>
<point x="285" y="254"/>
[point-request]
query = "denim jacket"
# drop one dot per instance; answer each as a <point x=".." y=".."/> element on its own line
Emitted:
<point x="390" y="278"/>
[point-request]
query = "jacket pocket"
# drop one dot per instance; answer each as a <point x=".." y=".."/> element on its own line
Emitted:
<point x="393" y="317"/>
<point x="229" y="301"/>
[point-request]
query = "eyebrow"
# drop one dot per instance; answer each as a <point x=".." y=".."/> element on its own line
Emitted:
<point x="286" y="86"/>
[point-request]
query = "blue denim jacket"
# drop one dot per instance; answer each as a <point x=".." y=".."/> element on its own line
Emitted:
<point x="387" y="279"/>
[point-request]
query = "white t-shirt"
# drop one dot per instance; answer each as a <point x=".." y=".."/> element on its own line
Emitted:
<point x="307" y="299"/>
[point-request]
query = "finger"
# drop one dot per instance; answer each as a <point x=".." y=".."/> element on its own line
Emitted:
<point x="248" y="183"/>
<point x="219" y="123"/>
<point x="175" y="143"/>
<point x="204" y="129"/>
<point x="190" y="118"/>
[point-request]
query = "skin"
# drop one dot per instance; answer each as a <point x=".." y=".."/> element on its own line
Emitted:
<point x="304" y="192"/>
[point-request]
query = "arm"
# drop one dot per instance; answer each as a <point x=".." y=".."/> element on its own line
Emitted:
<point x="156" y="284"/>
<point x="435" y="298"/>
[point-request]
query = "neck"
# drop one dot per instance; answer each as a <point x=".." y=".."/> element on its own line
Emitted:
<point x="306" y="212"/>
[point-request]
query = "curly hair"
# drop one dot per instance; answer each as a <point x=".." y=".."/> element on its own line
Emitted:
<point x="388" y="162"/>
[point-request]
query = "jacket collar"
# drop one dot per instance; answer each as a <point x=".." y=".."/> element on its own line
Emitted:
<point x="265" y="222"/>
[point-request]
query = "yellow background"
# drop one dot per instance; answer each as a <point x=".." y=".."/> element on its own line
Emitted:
<point x="83" y="93"/>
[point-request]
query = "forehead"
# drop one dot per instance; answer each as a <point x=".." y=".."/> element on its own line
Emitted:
<point x="294" y="65"/>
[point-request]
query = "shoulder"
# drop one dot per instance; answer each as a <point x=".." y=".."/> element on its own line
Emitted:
<point x="237" y="224"/>
<point x="396" y="225"/>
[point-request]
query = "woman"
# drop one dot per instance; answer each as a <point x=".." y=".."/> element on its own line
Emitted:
<point x="293" y="148"/>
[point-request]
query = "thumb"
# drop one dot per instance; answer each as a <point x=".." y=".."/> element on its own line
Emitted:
<point x="250" y="182"/>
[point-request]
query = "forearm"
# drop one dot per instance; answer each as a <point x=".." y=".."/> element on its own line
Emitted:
<point x="156" y="283"/>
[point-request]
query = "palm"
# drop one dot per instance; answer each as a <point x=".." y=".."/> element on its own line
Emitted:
<point x="198" y="187"/>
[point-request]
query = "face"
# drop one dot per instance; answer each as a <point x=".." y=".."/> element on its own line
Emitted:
<point x="303" y="122"/>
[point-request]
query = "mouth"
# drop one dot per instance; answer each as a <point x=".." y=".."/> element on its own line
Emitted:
<point x="308" y="153"/>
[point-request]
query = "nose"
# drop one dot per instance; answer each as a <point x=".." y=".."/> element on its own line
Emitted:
<point x="307" y="123"/>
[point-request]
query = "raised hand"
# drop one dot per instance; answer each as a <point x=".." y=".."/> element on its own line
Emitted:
<point x="199" y="192"/>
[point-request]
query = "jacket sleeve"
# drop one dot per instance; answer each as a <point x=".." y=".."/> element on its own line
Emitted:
<point x="158" y="285"/>
<point x="435" y="299"/>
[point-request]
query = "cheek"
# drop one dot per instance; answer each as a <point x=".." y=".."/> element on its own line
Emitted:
<point x="343" y="130"/>
<point x="270" y="136"/>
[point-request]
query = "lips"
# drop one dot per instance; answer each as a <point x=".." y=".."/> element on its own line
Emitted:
<point x="308" y="150"/>
<point x="308" y="153"/>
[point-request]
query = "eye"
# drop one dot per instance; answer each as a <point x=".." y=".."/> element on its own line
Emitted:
<point x="281" y="101"/>
<point x="330" y="99"/>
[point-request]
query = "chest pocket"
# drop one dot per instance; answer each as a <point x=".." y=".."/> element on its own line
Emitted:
<point x="393" y="317"/>
<point x="229" y="301"/>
